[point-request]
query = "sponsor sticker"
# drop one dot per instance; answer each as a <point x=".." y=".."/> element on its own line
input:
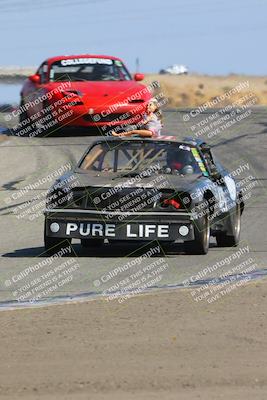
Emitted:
<point x="77" y="61"/>
<point x="199" y="161"/>
<point x="109" y="230"/>
<point x="183" y="147"/>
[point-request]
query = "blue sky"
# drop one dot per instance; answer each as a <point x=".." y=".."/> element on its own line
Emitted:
<point x="209" y="36"/>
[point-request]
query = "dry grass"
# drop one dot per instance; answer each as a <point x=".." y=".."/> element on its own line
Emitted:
<point x="195" y="90"/>
<point x="183" y="90"/>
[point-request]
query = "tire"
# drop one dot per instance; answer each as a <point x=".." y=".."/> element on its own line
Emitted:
<point x="224" y="240"/>
<point x="202" y="237"/>
<point x="54" y="130"/>
<point x="91" y="243"/>
<point x="23" y="115"/>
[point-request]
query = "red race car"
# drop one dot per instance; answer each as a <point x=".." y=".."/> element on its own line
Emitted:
<point x="81" y="91"/>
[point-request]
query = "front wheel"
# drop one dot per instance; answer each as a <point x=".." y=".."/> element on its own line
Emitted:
<point x="23" y="115"/>
<point x="25" y="127"/>
<point x="224" y="240"/>
<point x="202" y="237"/>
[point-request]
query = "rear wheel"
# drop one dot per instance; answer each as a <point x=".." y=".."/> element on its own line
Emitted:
<point x="202" y="237"/>
<point x="224" y="240"/>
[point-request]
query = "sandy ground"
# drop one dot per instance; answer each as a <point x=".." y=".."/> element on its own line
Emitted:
<point x="162" y="345"/>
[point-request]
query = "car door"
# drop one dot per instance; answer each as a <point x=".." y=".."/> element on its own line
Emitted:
<point x="224" y="185"/>
<point x="228" y="180"/>
<point x="217" y="175"/>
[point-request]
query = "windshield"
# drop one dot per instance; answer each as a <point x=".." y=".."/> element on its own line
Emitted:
<point x="88" y="69"/>
<point x="131" y="157"/>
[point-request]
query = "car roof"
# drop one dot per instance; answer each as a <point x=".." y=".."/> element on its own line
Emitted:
<point x="165" y="138"/>
<point x="67" y="57"/>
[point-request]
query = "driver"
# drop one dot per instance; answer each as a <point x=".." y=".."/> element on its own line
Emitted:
<point x="100" y="72"/>
<point x="177" y="159"/>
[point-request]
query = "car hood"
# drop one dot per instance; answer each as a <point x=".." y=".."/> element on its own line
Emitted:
<point x="121" y="89"/>
<point x="93" y="179"/>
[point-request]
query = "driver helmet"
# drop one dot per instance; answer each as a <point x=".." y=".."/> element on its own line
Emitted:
<point x="177" y="159"/>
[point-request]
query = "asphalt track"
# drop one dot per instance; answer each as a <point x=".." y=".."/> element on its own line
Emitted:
<point x="26" y="160"/>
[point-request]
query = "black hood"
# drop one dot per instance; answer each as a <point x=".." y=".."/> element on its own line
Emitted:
<point x="95" y="179"/>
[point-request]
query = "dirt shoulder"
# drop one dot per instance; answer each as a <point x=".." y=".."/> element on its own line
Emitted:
<point x="196" y="90"/>
<point x="162" y="345"/>
<point x="3" y="138"/>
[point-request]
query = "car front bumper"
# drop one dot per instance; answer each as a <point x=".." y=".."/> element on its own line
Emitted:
<point x="86" y="116"/>
<point x="89" y="224"/>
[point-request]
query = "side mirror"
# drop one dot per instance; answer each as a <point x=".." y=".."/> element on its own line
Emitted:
<point x="205" y="148"/>
<point x="139" y="77"/>
<point x="35" y="79"/>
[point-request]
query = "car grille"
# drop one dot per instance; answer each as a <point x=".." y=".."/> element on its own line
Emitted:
<point x="123" y="200"/>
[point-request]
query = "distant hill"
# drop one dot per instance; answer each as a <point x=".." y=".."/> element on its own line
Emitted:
<point x="11" y="73"/>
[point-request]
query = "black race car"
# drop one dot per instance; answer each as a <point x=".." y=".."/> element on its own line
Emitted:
<point x="138" y="189"/>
